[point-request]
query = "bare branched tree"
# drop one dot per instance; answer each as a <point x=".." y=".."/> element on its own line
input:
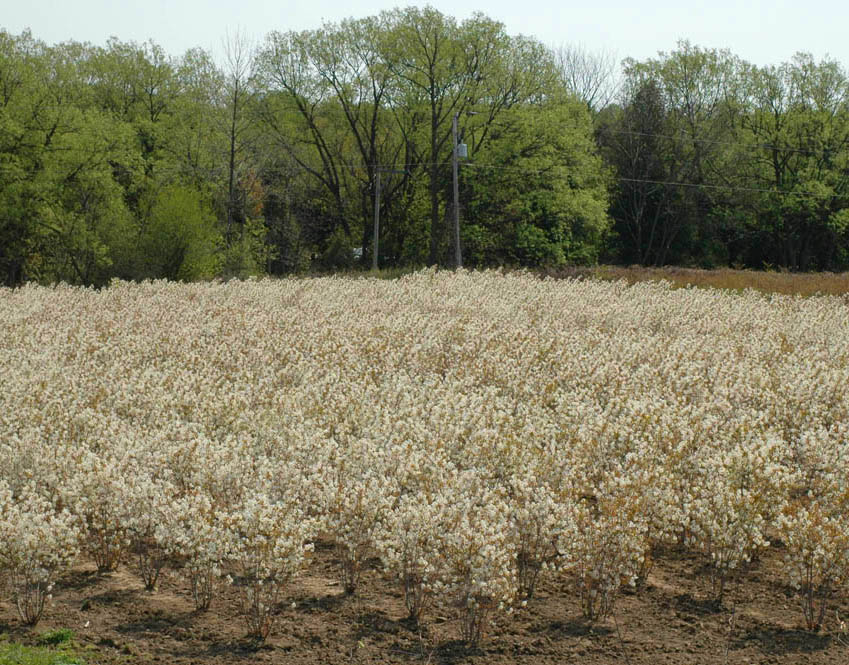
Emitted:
<point x="239" y="64"/>
<point x="593" y="76"/>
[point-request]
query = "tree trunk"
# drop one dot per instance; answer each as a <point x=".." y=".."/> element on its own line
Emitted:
<point x="231" y="186"/>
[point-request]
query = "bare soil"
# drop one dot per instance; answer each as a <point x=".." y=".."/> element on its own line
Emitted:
<point x="670" y="620"/>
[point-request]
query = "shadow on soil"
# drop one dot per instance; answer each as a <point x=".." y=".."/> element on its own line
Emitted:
<point x="446" y="653"/>
<point x="113" y="597"/>
<point x="240" y="650"/>
<point x="697" y="606"/>
<point x="780" y="641"/>
<point x="454" y="651"/>
<point x="578" y="627"/>
<point x="376" y="621"/>
<point x="156" y="622"/>
<point x="311" y="604"/>
<point x="80" y="579"/>
<point x="244" y="648"/>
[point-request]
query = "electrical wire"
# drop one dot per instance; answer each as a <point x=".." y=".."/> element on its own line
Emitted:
<point x="751" y="146"/>
<point x="523" y="170"/>
<point x="667" y="183"/>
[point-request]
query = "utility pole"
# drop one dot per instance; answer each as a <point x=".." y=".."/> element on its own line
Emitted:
<point x="376" y="221"/>
<point x="375" y="243"/>
<point x="458" y="255"/>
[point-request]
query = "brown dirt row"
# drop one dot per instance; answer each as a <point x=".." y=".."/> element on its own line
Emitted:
<point x="671" y="620"/>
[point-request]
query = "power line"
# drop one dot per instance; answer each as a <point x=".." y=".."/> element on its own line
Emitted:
<point x="667" y="183"/>
<point x="692" y="139"/>
<point x="733" y="188"/>
<point x="625" y="132"/>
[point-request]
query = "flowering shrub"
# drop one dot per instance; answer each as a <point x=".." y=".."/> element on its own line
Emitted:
<point x="739" y="493"/>
<point x="538" y="517"/>
<point x="476" y="555"/>
<point x="603" y="549"/>
<point x="36" y="544"/>
<point x="816" y="562"/>
<point x="268" y="543"/>
<point x="407" y="543"/>
<point x="151" y="505"/>
<point x="475" y="431"/>
<point x="198" y="542"/>
<point x="358" y="496"/>
<point x="98" y="496"/>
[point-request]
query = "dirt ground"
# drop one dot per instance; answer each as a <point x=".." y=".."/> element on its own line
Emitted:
<point x="668" y="621"/>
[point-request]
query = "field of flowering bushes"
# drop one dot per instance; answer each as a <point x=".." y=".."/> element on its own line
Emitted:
<point x="475" y="434"/>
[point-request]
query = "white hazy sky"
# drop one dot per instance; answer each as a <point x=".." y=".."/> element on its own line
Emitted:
<point x="760" y="31"/>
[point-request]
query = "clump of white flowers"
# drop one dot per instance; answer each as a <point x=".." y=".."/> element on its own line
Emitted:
<point x="603" y="546"/>
<point x="816" y="562"/>
<point x="198" y="543"/>
<point x="538" y="518"/>
<point x="151" y="506"/>
<point x="37" y="543"/>
<point x="97" y="495"/>
<point x="741" y="490"/>
<point x="268" y="545"/>
<point x="358" y="496"/>
<point x="407" y="542"/>
<point x="476" y="555"/>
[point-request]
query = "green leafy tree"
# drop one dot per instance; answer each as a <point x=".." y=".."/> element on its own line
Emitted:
<point x="180" y="239"/>
<point x="539" y="194"/>
<point x="302" y="118"/>
<point x="137" y="84"/>
<point x="63" y="209"/>
<point x="794" y="156"/>
<point x="196" y="152"/>
<point x="670" y="146"/>
<point x="635" y="143"/>
<point x="339" y="72"/>
<point x="19" y="150"/>
<point x="446" y="69"/>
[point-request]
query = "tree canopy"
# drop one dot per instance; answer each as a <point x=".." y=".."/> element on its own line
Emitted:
<point x="124" y="161"/>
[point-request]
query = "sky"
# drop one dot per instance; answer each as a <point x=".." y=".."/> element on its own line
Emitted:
<point x="758" y="31"/>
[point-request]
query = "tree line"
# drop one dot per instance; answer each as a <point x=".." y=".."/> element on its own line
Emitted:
<point x="124" y="161"/>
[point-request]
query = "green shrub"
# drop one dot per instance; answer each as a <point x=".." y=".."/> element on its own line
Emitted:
<point x="56" y="637"/>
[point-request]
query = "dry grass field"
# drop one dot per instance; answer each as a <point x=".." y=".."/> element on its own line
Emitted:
<point x="787" y="283"/>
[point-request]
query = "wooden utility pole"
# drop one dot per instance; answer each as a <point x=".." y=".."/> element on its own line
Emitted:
<point x="455" y="162"/>
<point x="458" y="255"/>
<point x="374" y="244"/>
